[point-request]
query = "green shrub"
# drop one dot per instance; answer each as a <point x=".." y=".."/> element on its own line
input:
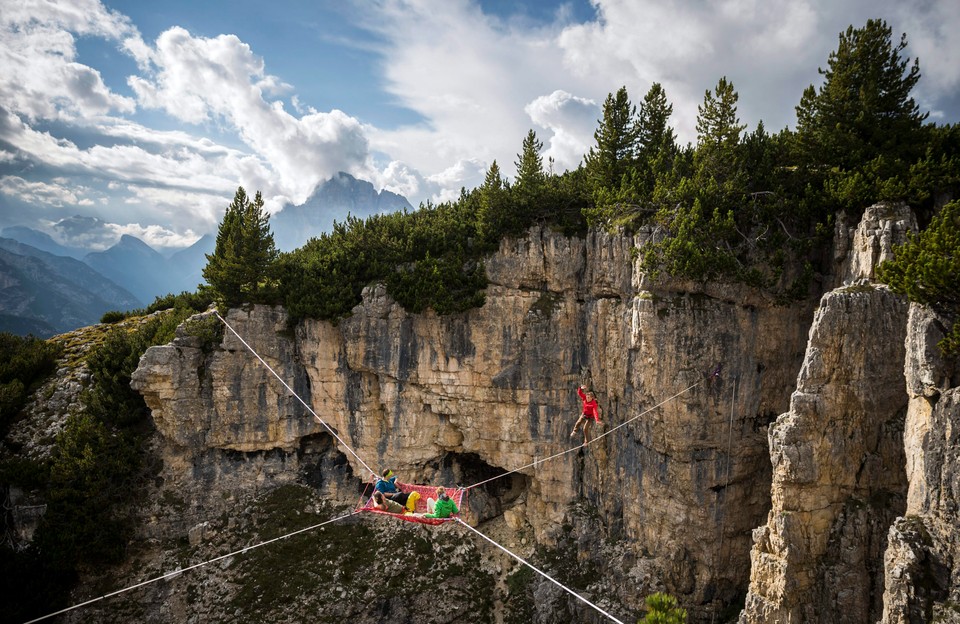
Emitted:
<point x="926" y="268"/>
<point x="662" y="609"/>
<point x="113" y="316"/>
<point x="25" y="362"/>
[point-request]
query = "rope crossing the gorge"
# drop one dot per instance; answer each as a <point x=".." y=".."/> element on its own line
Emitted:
<point x="180" y="571"/>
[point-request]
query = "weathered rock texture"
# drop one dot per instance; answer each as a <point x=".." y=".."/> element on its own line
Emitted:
<point x="922" y="562"/>
<point x="460" y="399"/>
<point x="670" y="500"/>
<point x="838" y="478"/>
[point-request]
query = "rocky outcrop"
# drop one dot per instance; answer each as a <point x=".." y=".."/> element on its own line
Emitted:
<point x="922" y="561"/>
<point x="837" y="454"/>
<point x="837" y="459"/>
<point x="853" y="486"/>
<point x="463" y="398"/>
<point x="860" y="249"/>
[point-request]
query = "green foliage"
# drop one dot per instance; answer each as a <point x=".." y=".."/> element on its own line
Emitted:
<point x="718" y="127"/>
<point x="196" y="301"/>
<point x="530" y="175"/>
<point x="864" y="108"/>
<point x="240" y="270"/>
<point x="927" y="270"/>
<point x="113" y="316"/>
<point x="617" y="142"/>
<point x="662" y="609"/>
<point x="495" y="214"/>
<point x="99" y="459"/>
<point x="207" y="328"/>
<point x="427" y="259"/>
<point x="92" y="470"/>
<point x="25" y="362"/>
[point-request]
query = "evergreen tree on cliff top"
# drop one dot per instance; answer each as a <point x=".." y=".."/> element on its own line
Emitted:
<point x="863" y="109"/>
<point x="927" y="270"/>
<point x="239" y="270"/>
<point x="617" y="137"/>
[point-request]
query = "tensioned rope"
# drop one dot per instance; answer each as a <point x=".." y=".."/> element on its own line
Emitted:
<point x="541" y="572"/>
<point x="293" y="392"/>
<point x="726" y="482"/>
<point x="575" y="448"/>
<point x="194" y="566"/>
<point x="715" y="373"/>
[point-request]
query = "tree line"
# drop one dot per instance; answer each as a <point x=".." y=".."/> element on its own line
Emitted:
<point x="739" y="205"/>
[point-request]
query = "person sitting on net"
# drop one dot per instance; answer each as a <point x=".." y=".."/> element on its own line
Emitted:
<point x="388" y="487"/>
<point x="443" y="507"/>
<point x="383" y="503"/>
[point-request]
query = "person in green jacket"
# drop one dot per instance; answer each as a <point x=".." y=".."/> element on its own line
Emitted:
<point x="443" y="507"/>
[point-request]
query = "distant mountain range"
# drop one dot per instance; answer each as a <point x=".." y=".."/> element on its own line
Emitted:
<point x="45" y="294"/>
<point x="333" y="200"/>
<point x="48" y="288"/>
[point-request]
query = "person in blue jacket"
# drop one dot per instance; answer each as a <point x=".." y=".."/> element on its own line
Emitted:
<point x="387" y="485"/>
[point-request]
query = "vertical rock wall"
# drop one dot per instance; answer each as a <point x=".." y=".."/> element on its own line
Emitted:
<point x="922" y="562"/>
<point x="680" y="487"/>
<point x="838" y="477"/>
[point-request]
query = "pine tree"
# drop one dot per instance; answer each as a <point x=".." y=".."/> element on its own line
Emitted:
<point x="654" y="134"/>
<point x="530" y="176"/>
<point x="718" y="133"/>
<point x="492" y="214"/>
<point x="617" y="142"/>
<point x="657" y="142"/>
<point x="239" y="269"/>
<point x="863" y="109"/>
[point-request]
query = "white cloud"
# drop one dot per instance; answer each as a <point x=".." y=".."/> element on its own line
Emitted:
<point x="468" y="74"/>
<point x="97" y="235"/>
<point x="157" y="236"/>
<point x="476" y="82"/>
<point x="571" y="120"/>
<point x="41" y="78"/>
<point x="55" y="193"/>
<point x="199" y="79"/>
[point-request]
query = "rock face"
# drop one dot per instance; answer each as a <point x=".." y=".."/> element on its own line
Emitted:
<point x="923" y="558"/>
<point x="838" y="479"/>
<point x="461" y="399"/>
<point x="690" y="378"/>
<point x="837" y="468"/>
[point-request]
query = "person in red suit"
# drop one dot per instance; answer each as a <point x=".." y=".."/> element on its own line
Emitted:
<point x="591" y="413"/>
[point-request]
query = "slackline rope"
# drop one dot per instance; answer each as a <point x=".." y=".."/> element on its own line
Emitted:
<point x="726" y="483"/>
<point x="540" y="572"/>
<point x="182" y="570"/>
<point x="604" y="434"/>
<point x="304" y="403"/>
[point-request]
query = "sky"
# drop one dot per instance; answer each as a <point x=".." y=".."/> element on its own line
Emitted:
<point x="143" y="118"/>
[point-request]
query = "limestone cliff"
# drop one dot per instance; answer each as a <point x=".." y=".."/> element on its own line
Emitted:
<point x="839" y="453"/>
<point x="463" y="398"/>
<point x="671" y="501"/>
<point x="922" y="561"/>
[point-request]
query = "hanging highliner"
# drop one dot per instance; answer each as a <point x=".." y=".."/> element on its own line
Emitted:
<point x="458" y="495"/>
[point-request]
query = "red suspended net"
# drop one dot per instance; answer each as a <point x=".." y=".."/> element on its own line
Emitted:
<point x="425" y="491"/>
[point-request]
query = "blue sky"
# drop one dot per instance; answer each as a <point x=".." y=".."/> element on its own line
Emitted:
<point x="148" y="115"/>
